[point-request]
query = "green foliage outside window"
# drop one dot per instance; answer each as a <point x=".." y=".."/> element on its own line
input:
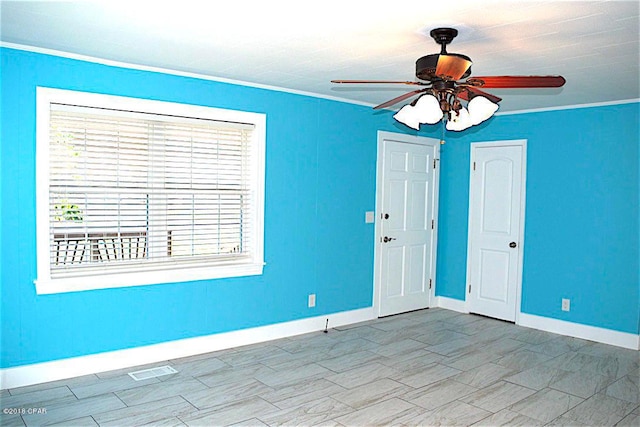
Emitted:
<point x="67" y="212"/>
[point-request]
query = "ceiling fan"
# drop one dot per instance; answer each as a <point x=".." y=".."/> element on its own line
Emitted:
<point x="442" y="75"/>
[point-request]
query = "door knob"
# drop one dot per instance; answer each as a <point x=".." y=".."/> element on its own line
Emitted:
<point x="512" y="245"/>
<point x="388" y="239"/>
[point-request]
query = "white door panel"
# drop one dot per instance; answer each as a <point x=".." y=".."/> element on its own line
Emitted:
<point x="395" y="263"/>
<point x="397" y="193"/>
<point x="496" y="208"/>
<point x="497" y="192"/>
<point x="418" y="215"/>
<point x="494" y="269"/>
<point x="406" y="202"/>
<point x="416" y="279"/>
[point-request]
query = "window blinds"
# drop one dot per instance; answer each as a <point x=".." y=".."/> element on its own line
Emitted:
<point x="131" y="191"/>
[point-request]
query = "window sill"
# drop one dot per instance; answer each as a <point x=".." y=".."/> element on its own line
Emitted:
<point x="144" y="278"/>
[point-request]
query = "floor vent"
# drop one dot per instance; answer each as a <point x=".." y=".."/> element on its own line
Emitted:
<point x="145" y="374"/>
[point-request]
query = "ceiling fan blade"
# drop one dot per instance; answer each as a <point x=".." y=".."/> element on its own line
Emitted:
<point x="399" y="98"/>
<point x="452" y="67"/>
<point x="463" y="94"/>
<point x="476" y="92"/>
<point x="514" y="82"/>
<point x="379" y="82"/>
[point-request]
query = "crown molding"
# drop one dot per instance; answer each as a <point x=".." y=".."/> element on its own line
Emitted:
<point x="139" y="67"/>
<point x="570" y="107"/>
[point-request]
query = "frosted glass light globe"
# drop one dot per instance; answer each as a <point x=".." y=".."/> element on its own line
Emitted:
<point x="480" y="109"/>
<point x="407" y="115"/>
<point x="428" y="109"/>
<point x="459" y="121"/>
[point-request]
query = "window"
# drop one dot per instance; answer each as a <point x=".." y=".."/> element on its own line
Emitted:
<point x="134" y="192"/>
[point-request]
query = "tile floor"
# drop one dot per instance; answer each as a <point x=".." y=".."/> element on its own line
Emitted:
<point x="429" y="367"/>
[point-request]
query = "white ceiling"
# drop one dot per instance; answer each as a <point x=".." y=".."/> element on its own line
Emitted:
<point x="302" y="45"/>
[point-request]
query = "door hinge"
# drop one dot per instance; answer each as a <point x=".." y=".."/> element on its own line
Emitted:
<point x="430" y="283"/>
<point x="474" y="165"/>
<point x="432" y="224"/>
<point x="469" y="287"/>
<point x="434" y="163"/>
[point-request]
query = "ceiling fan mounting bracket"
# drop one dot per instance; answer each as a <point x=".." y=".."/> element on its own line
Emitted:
<point x="443" y="36"/>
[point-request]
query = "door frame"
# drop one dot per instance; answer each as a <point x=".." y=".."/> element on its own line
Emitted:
<point x="377" y="261"/>
<point x="523" y="198"/>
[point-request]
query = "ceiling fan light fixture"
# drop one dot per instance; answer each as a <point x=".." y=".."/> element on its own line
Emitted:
<point x="428" y="110"/>
<point x="408" y="115"/>
<point x="441" y="73"/>
<point x="459" y="120"/>
<point x="480" y="109"/>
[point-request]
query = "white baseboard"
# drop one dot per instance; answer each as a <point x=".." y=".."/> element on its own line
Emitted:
<point x="577" y="330"/>
<point x="547" y="324"/>
<point x="451" y="304"/>
<point x="68" y="368"/>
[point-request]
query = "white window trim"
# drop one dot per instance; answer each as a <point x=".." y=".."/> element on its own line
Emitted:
<point x="45" y="284"/>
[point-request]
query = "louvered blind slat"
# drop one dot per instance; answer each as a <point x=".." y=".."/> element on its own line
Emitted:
<point x="135" y="191"/>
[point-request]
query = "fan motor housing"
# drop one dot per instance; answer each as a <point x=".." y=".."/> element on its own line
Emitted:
<point x="426" y="66"/>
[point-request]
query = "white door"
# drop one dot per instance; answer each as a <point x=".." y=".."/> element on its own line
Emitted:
<point x="406" y="238"/>
<point x="496" y="220"/>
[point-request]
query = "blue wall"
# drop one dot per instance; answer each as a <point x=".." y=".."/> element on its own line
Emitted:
<point x="320" y="180"/>
<point x="581" y="231"/>
<point x="582" y="216"/>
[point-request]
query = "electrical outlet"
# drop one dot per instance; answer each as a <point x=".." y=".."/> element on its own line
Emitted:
<point x="312" y="300"/>
<point x="566" y="304"/>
